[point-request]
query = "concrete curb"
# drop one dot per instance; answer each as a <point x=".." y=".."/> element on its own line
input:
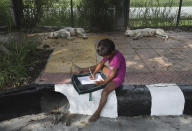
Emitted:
<point x="133" y="100"/>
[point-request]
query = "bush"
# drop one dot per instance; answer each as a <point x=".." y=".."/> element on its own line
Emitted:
<point x="5" y="13"/>
<point x="97" y="14"/>
<point x="14" y="68"/>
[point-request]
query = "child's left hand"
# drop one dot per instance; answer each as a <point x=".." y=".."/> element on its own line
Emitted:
<point x="99" y="82"/>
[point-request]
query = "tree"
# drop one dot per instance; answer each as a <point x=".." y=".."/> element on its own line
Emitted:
<point x="17" y="8"/>
<point x="119" y="14"/>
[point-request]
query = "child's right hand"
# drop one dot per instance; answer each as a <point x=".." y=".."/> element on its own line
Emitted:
<point x="92" y="77"/>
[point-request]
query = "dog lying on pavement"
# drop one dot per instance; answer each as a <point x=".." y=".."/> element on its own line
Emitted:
<point x="67" y="32"/>
<point x="139" y="33"/>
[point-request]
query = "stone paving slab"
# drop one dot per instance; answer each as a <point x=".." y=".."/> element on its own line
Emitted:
<point x="54" y="67"/>
<point x="158" y="64"/>
<point x="55" y="78"/>
<point x="136" y="66"/>
<point x="179" y="77"/>
<point x="147" y="53"/>
<point x="128" y="52"/>
<point x="132" y="78"/>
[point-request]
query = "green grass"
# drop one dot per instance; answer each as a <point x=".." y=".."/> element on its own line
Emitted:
<point x="5" y="13"/>
<point x="15" y="68"/>
<point x="151" y="23"/>
<point x="157" y="18"/>
<point x="159" y="3"/>
<point x="184" y="22"/>
<point x="158" y="23"/>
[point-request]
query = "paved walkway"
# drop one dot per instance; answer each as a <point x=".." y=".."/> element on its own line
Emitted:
<point x="57" y="122"/>
<point x="149" y="60"/>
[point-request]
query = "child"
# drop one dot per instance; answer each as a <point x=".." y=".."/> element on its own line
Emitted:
<point x="115" y="72"/>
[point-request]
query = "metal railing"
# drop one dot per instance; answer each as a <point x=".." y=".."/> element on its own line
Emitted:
<point x="158" y="13"/>
<point x="99" y="13"/>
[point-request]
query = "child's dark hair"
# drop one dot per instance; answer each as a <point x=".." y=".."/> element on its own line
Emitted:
<point x="105" y="47"/>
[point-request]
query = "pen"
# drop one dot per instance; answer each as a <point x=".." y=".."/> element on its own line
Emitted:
<point x="90" y="71"/>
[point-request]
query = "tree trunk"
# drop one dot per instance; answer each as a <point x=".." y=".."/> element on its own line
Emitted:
<point x="119" y="9"/>
<point x="18" y="16"/>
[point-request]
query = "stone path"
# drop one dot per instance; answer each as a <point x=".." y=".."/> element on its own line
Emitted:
<point x="149" y="60"/>
<point x="57" y="122"/>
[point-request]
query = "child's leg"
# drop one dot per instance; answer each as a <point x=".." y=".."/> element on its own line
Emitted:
<point x="108" y="89"/>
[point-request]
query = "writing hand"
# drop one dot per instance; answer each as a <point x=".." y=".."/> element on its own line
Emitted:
<point x="92" y="77"/>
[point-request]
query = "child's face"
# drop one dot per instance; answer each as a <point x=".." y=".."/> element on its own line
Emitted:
<point x="108" y="56"/>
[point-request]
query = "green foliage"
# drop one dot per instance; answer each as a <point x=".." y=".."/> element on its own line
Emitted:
<point x="33" y="11"/>
<point x="156" y="13"/>
<point x="46" y="12"/>
<point x="96" y="13"/>
<point x="157" y="3"/>
<point x="86" y="13"/>
<point x="14" y="68"/>
<point x="5" y="13"/>
<point x="92" y="14"/>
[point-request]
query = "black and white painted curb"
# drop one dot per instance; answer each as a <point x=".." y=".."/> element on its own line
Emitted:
<point x="80" y="104"/>
<point x="133" y="100"/>
<point x="130" y="100"/>
<point x="155" y="99"/>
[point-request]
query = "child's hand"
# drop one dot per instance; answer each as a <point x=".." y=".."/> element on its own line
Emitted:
<point x="92" y="77"/>
<point x="99" y="82"/>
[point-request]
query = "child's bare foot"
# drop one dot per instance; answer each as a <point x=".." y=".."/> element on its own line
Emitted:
<point x="94" y="117"/>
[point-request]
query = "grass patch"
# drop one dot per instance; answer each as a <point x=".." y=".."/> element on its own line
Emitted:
<point x="22" y="65"/>
<point x="153" y="22"/>
<point x="157" y="13"/>
<point x="159" y="3"/>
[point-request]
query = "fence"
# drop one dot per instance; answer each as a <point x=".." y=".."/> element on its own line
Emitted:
<point x="158" y="13"/>
<point x="100" y="14"/>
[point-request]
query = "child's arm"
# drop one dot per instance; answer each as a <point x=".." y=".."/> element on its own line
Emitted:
<point x="97" y="69"/>
<point x="116" y="66"/>
<point x="112" y="75"/>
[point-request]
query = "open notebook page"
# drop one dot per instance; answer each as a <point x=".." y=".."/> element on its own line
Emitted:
<point x="86" y="80"/>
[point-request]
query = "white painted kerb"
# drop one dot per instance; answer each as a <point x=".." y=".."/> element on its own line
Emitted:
<point x="167" y="99"/>
<point x="80" y="104"/>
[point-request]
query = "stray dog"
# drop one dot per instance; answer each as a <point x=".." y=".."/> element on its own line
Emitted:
<point x="139" y="33"/>
<point x="68" y="32"/>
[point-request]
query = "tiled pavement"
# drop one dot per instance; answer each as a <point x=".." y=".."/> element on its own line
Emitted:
<point x="148" y="60"/>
